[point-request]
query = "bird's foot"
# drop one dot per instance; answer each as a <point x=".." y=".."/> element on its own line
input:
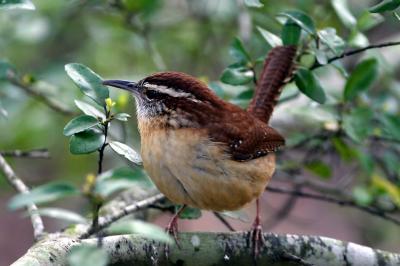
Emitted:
<point x="256" y="238"/>
<point x="172" y="230"/>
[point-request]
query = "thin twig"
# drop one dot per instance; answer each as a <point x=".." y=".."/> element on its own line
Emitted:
<point x="348" y="203"/>
<point x="107" y="220"/>
<point x="356" y="51"/>
<point x="53" y="104"/>
<point x="224" y="221"/>
<point x="33" y="154"/>
<point x="97" y="205"/>
<point x="18" y="185"/>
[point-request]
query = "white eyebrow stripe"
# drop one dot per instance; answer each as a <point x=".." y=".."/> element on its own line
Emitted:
<point x="166" y="90"/>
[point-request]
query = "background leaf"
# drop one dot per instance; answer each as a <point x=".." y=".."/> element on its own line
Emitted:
<point x="355" y="123"/>
<point x="385" y="5"/>
<point x="189" y="213"/>
<point x="253" y="3"/>
<point x="90" y="110"/>
<point x="310" y="85"/>
<point x="43" y="194"/>
<point x="86" y="142"/>
<point x="342" y="10"/>
<point x="62" y="214"/>
<point x="88" y="256"/>
<point x="272" y="39"/>
<point x="238" y="51"/>
<point x="291" y="33"/>
<point x="144" y="229"/>
<point x="89" y="82"/>
<point x="301" y="19"/>
<point x="126" y="151"/>
<point x="236" y="76"/>
<point x="79" y="124"/>
<point x="17" y="4"/>
<point x="361" y="78"/>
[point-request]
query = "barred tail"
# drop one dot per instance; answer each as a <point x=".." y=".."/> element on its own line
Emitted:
<point x="278" y="66"/>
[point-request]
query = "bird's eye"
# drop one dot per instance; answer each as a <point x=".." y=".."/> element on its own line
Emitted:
<point x="153" y="94"/>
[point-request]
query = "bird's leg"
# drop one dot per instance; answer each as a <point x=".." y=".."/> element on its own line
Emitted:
<point x="256" y="233"/>
<point x="172" y="229"/>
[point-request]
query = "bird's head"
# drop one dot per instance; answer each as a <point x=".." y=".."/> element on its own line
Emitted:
<point x="166" y="92"/>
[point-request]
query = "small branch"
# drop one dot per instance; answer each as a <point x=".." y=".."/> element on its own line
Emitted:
<point x="348" y="203"/>
<point x="96" y="204"/>
<point x="33" y="154"/>
<point x="107" y="220"/>
<point x="18" y="185"/>
<point x="224" y="221"/>
<point x="356" y="51"/>
<point x="53" y="104"/>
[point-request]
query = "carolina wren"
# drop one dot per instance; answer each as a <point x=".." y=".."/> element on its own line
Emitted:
<point x="198" y="149"/>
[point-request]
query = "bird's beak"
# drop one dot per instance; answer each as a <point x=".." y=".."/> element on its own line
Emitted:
<point x="122" y="84"/>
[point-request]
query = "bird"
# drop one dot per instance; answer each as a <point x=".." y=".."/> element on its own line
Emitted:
<point x="205" y="152"/>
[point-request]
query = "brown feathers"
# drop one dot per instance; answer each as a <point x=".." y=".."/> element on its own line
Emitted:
<point x="278" y="66"/>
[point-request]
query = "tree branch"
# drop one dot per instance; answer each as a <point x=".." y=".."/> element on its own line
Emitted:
<point x="214" y="249"/>
<point x="107" y="220"/>
<point x="18" y="185"/>
<point x="356" y="51"/>
<point x="348" y="203"/>
<point x="33" y="154"/>
<point x="53" y="104"/>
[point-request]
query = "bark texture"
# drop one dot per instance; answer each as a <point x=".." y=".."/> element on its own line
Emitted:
<point x="214" y="249"/>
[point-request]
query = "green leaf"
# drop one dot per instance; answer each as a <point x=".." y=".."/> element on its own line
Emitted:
<point x="357" y="39"/>
<point x="346" y="152"/>
<point x="122" y="116"/>
<point x="342" y="10"/>
<point x="126" y="151"/>
<point x="62" y="214"/>
<point x="90" y="110"/>
<point x="119" y="179"/>
<point x="361" y="78"/>
<point x="6" y="70"/>
<point x="385" y="5"/>
<point x="291" y="33"/>
<point x="147" y="230"/>
<point x="308" y="84"/>
<point x="319" y="168"/>
<point x="126" y="173"/>
<point x="357" y="123"/>
<point x="88" y="81"/>
<point x="238" y="51"/>
<point x="79" y="124"/>
<point x="217" y="89"/>
<point x="190" y="213"/>
<point x="17" y="4"/>
<point x="86" y="142"/>
<point x="107" y="187"/>
<point x="391" y="125"/>
<point x="253" y="3"/>
<point x="270" y="38"/>
<point x="301" y="19"/>
<point x="3" y="111"/>
<point x="88" y="256"/>
<point x="246" y="95"/>
<point x="329" y="37"/>
<point x="236" y="76"/>
<point x="42" y="194"/>
<point x="236" y="215"/>
<point x="369" y="20"/>
<point x="388" y="187"/>
<point x="362" y="196"/>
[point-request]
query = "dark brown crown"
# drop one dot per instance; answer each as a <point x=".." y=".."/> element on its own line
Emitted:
<point x="182" y="82"/>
